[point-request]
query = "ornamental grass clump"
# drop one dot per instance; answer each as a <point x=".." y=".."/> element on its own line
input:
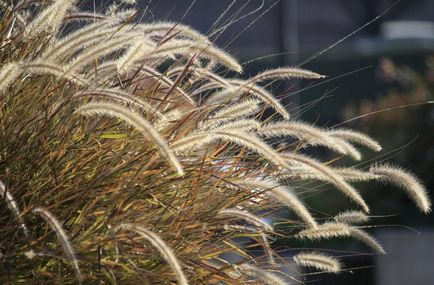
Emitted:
<point x="125" y="158"/>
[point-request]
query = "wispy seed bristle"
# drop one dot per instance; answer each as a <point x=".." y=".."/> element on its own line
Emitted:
<point x="64" y="240"/>
<point x="407" y="181"/>
<point x="161" y="246"/>
<point x="137" y="122"/>
<point x="319" y="261"/>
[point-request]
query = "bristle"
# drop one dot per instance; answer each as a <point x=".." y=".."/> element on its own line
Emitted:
<point x="160" y="245"/>
<point x="13" y="207"/>
<point x="251" y="142"/>
<point x="219" y="97"/>
<point x="192" y="142"/>
<point x="348" y="148"/>
<point x="204" y="50"/>
<point x="50" y="19"/>
<point x="302" y="131"/>
<point x="319" y="261"/>
<point x="256" y="221"/>
<point x="169" y="119"/>
<point x="330" y="176"/>
<point x="356" y="137"/>
<point x="137" y="122"/>
<point x="240" y="138"/>
<point x="407" y="181"/>
<point x="169" y="28"/>
<point x="355" y="175"/>
<point x="262" y="94"/>
<point x="121" y="96"/>
<point x="8" y="73"/>
<point x="285" y="73"/>
<point x="65" y="47"/>
<point x="135" y="53"/>
<point x="285" y="196"/>
<point x="265" y="276"/>
<point x="351" y="217"/>
<point x="101" y="49"/>
<point x="38" y="67"/>
<point x="157" y="75"/>
<point x="205" y="74"/>
<point x="366" y="239"/>
<point x="238" y="110"/>
<point x="63" y="237"/>
<point x="249" y="217"/>
<point x="326" y="231"/>
<point x="244" y="125"/>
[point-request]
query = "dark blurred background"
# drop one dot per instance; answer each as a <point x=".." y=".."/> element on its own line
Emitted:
<point x="386" y="68"/>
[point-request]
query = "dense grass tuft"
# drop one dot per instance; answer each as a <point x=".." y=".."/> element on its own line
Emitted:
<point x="126" y="158"/>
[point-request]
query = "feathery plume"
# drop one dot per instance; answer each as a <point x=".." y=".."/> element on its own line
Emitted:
<point x="174" y="28"/>
<point x="38" y="67"/>
<point x="356" y="137"/>
<point x="283" y="195"/>
<point x="251" y="142"/>
<point x="339" y="229"/>
<point x="124" y="14"/>
<point x="103" y="73"/>
<point x="285" y="73"/>
<point x="8" y="73"/>
<point x="61" y="235"/>
<point x="243" y="125"/>
<point x="50" y="19"/>
<point x="160" y="245"/>
<point x="355" y="175"/>
<point x="262" y="94"/>
<point x="13" y="207"/>
<point x="205" y="74"/>
<point x="319" y="261"/>
<point x="249" y="217"/>
<point x="129" y="2"/>
<point x="351" y="217"/>
<point x="349" y="149"/>
<point x="167" y="81"/>
<point x="326" y="231"/>
<point x="302" y="131"/>
<point x="220" y="56"/>
<point x="264" y="275"/>
<point x="407" y="181"/>
<point x="239" y="110"/>
<point x="137" y="122"/>
<point x="119" y="95"/>
<point x="218" y="97"/>
<point x="205" y="50"/>
<point x="84" y="16"/>
<point x="256" y="221"/>
<point x="288" y="198"/>
<point x="366" y="239"/>
<point x="169" y="118"/>
<point x="240" y="138"/>
<point x="135" y="53"/>
<point x="90" y="34"/>
<point x="330" y="176"/>
<point x="101" y="49"/>
<point x="191" y="142"/>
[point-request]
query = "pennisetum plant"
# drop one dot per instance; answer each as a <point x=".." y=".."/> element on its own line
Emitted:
<point x="126" y="158"/>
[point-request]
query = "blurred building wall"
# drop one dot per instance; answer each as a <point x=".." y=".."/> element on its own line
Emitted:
<point x="409" y="259"/>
